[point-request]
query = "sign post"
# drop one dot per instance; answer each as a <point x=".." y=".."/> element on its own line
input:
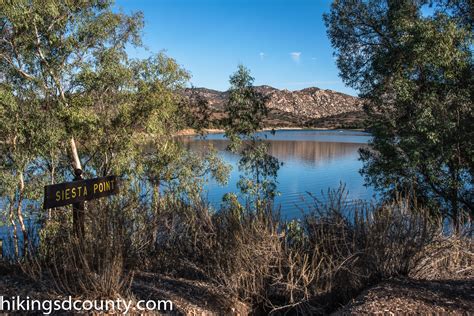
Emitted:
<point x="76" y="192"/>
<point x="78" y="218"/>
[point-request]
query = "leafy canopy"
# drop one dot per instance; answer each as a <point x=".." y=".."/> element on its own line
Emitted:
<point x="246" y="110"/>
<point x="416" y="73"/>
<point x="65" y="73"/>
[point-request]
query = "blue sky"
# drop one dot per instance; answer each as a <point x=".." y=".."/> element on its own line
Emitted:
<point x="283" y="42"/>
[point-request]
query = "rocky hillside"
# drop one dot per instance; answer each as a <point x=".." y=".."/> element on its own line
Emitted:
<point x="308" y="107"/>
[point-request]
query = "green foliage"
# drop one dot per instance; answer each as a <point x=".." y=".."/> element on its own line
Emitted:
<point x="260" y="171"/>
<point x="245" y="111"/>
<point x="245" y="108"/>
<point x="416" y="73"/>
<point x="183" y="172"/>
<point x="66" y="75"/>
<point x="197" y="112"/>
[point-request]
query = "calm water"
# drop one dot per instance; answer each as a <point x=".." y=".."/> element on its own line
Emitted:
<point x="313" y="161"/>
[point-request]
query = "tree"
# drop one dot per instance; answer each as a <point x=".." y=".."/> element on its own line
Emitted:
<point x="415" y="71"/>
<point x="21" y="140"/>
<point x="66" y="81"/>
<point x="45" y="47"/>
<point x="197" y="111"/>
<point x="246" y="110"/>
<point x="245" y="107"/>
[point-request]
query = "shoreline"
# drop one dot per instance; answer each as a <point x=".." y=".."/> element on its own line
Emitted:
<point x="193" y="132"/>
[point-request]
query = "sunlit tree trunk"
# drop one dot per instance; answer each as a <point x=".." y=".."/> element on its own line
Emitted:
<point x="78" y="209"/>
<point x="19" y="213"/>
<point x="52" y="175"/>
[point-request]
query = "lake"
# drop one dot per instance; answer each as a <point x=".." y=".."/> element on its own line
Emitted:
<point x="313" y="161"/>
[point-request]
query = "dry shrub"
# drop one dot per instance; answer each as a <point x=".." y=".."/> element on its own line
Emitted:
<point x="307" y="266"/>
<point x="339" y="248"/>
<point x="185" y="239"/>
<point x="446" y="257"/>
<point x="234" y="248"/>
<point x="92" y="266"/>
<point x="394" y="234"/>
<point x="250" y="248"/>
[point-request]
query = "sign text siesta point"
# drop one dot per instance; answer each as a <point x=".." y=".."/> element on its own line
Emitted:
<point x="77" y="191"/>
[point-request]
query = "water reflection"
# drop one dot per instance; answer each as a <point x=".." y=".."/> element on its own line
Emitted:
<point x="308" y="152"/>
<point x="313" y="162"/>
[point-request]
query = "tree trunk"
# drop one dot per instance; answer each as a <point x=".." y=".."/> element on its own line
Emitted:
<point x="156" y="195"/>
<point x="156" y="209"/>
<point x="11" y="217"/>
<point x="76" y="162"/>
<point x="53" y="170"/>
<point x="453" y="194"/>
<point x="78" y="217"/>
<point x="455" y="208"/>
<point x="19" y="214"/>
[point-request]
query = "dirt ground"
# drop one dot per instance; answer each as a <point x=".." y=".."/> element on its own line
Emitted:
<point x="407" y="296"/>
<point x="193" y="297"/>
<point x="190" y="297"/>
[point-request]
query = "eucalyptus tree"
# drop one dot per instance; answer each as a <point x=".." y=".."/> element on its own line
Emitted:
<point x="22" y="138"/>
<point x="246" y="110"/>
<point x="412" y="61"/>
<point x="67" y="82"/>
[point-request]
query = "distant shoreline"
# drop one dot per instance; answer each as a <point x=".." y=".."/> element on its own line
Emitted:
<point x="193" y="132"/>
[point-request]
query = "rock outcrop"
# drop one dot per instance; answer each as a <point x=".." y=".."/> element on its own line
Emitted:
<point x="306" y="107"/>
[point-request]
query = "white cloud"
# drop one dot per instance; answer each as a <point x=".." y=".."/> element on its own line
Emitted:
<point x="262" y="55"/>
<point x="295" y="56"/>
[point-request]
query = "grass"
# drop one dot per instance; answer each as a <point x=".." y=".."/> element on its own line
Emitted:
<point x="310" y="266"/>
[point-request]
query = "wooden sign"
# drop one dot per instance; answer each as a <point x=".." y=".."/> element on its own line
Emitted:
<point x="78" y="191"/>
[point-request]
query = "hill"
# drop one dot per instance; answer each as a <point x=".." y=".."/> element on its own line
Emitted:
<point x="310" y="107"/>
